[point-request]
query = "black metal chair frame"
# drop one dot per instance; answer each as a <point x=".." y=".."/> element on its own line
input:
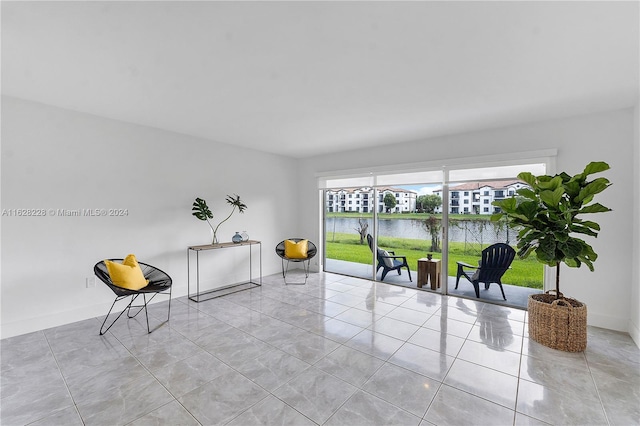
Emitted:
<point x="397" y="264"/>
<point x="159" y="283"/>
<point x="495" y="261"/>
<point x="306" y="262"/>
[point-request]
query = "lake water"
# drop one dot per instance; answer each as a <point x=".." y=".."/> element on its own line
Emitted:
<point x="485" y="232"/>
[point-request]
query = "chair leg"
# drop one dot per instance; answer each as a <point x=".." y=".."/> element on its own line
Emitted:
<point x="458" y="274"/>
<point x="476" y="287"/>
<point x="306" y="273"/>
<point x="385" y="271"/>
<point x="169" y="310"/>
<point x="102" y="330"/>
<point x="409" y="272"/>
<point x="127" y="309"/>
<point x="502" y="290"/>
<point x="134" y="306"/>
<point x="142" y="307"/>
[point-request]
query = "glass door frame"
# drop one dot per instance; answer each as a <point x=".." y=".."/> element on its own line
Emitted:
<point x="370" y="177"/>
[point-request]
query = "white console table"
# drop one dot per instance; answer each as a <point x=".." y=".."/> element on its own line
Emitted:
<point x="199" y="296"/>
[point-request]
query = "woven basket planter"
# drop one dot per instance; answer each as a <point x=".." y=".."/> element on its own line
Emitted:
<point x="558" y="324"/>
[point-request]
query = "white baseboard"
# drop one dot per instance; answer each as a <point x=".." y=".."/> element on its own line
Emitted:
<point x="30" y="325"/>
<point x="634" y="332"/>
<point x="607" y="321"/>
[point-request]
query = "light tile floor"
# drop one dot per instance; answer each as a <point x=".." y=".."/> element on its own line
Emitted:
<point x="336" y="351"/>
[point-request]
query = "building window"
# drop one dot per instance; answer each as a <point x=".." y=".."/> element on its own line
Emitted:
<point x="486" y="193"/>
<point x="466" y="193"/>
<point x="466" y="209"/>
<point x="466" y="202"/>
<point x="486" y="210"/>
<point x="486" y="201"/>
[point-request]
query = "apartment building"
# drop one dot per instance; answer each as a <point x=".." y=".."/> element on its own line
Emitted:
<point x="362" y="200"/>
<point x="477" y="197"/>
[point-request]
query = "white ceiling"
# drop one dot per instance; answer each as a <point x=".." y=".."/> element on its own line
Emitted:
<point x="308" y="78"/>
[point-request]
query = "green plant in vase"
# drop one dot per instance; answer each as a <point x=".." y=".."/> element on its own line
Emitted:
<point x="201" y="210"/>
<point x="549" y="215"/>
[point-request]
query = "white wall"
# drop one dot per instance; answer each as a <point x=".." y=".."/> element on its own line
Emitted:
<point x="634" y="321"/>
<point x="600" y="137"/>
<point x="58" y="159"/>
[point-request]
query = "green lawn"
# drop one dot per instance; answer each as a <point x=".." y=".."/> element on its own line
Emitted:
<point x="524" y="273"/>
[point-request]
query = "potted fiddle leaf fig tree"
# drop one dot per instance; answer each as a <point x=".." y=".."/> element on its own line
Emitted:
<point x="549" y="217"/>
<point x="201" y="210"/>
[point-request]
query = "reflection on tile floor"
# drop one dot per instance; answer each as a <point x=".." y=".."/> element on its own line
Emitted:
<point x="336" y="351"/>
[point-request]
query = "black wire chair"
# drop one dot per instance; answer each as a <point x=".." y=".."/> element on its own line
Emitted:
<point x="159" y="283"/>
<point x="311" y="252"/>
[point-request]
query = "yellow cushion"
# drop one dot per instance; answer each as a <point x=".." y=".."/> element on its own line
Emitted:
<point x="294" y="250"/>
<point x="127" y="274"/>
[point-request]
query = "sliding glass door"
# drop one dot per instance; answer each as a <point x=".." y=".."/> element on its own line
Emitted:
<point x="408" y="228"/>
<point x="470" y="232"/>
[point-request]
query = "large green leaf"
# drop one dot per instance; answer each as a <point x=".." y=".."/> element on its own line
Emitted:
<point x="583" y="230"/>
<point x="571" y="248"/>
<point x="572" y="188"/>
<point x="594" y="187"/>
<point x="547" y="249"/>
<point x="529" y="178"/>
<point x="527" y="193"/>
<point x="528" y="209"/>
<point x="590" y="224"/>
<point x="507" y="205"/>
<point x="595" y="167"/>
<point x="594" y="208"/>
<point x="201" y="210"/>
<point x="550" y="184"/>
<point x="552" y="198"/>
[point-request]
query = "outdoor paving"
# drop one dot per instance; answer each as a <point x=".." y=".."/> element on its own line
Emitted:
<point x="516" y="296"/>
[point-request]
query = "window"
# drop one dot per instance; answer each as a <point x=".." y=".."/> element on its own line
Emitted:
<point x="466" y="193"/>
<point x="486" y="193"/>
<point x="466" y="209"/>
<point x="466" y="202"/>
<point x="486" y="210"/>
<point x="486" y="201"/>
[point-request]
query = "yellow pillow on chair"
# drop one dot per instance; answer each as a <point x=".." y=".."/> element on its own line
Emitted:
<point x="127" y="274"/>
<point x="294" y="250"/>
